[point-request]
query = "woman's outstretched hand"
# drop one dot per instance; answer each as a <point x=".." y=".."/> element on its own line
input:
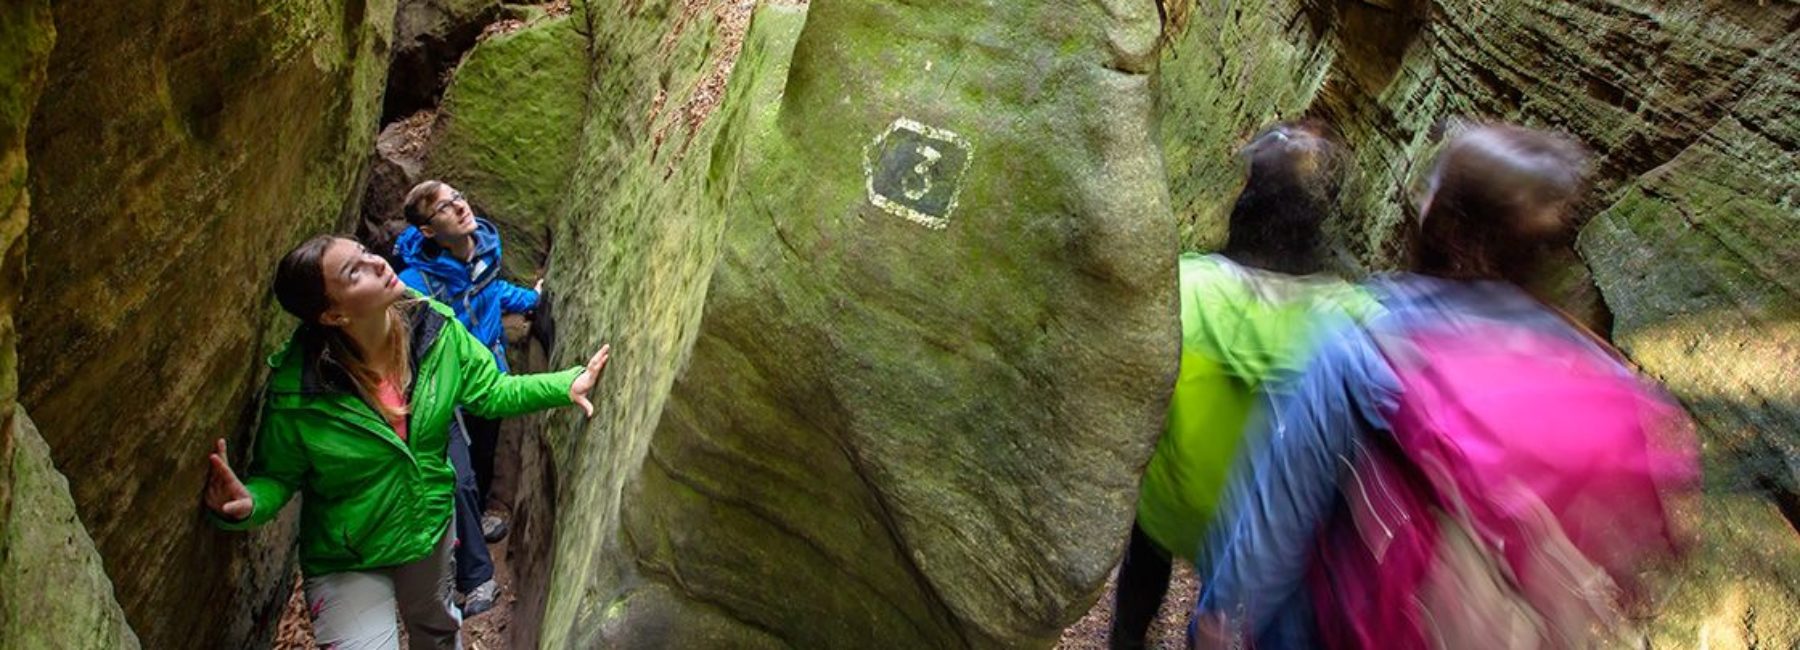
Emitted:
<point x="578" y="391"/>
<point x="225" y="494"/>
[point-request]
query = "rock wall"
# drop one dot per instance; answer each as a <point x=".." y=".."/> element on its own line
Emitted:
<point x="178" y="150"/>
<point x="912" y="420"/>
<point x="1228" y="68"/>
<point x="638" y="241"/>
<point x="507" y="133"/>
<point x="1688" y="108"/>
<point x="53" y="590"/>
<point x="1698" y="259"/>
<point x="27" y="33"/>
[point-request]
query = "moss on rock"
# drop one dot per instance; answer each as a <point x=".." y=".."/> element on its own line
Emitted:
<point x="1700" y="261"/>
<point x="180" y="149"/>
<point x="635" y="249"/>
<point x="1232" y="69"/>
<point x="508" y="133"/>
<point x="911" y="429"/>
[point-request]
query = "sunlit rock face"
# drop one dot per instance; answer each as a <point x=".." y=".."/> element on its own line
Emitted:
<point x="177" y="150"/>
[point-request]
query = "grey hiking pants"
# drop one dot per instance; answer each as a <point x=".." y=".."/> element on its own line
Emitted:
<point x="354" y="610"/>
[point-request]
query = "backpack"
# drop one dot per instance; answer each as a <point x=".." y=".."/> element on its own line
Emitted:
<point x="1524" y="487"/>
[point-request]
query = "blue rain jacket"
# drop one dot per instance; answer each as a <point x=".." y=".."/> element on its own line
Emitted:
<point x="474" y="289"/>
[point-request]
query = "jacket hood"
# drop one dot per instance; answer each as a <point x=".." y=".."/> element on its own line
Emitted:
<point x="421" y="253"/>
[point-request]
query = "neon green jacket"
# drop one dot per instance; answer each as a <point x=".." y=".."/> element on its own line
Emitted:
<point x="1240" y="327"/>
<point x="370" y="499"/>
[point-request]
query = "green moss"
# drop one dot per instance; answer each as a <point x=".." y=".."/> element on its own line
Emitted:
<point x="861" y="395"/>
<point x="639" y="233"/>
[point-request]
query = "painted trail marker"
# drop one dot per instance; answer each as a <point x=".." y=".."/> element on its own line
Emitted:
<point x="915" y="172"/>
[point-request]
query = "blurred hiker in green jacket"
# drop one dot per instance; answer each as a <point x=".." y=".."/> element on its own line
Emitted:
<point x="1246" y="315"/>
<point x="357" y="421"/>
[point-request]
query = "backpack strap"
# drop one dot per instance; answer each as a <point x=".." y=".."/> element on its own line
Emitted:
<point x="436" y="290"/>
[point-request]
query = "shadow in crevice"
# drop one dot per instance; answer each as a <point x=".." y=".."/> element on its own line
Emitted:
<point x="423" y="58"/>
<point x="1371" y="37"/>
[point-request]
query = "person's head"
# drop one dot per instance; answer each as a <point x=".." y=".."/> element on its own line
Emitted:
<point x="333" y="281"/>
<point x="1496" y="198"/>
<point x="1295" y="170"/>
<point x="439" y="211"/>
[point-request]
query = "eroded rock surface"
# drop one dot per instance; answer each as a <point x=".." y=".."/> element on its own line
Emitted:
<point x="936" y="333"/>
<point x="177" y="151"/>
<point x="508" y="130"/>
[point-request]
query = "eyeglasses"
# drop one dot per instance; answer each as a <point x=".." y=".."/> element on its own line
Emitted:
<point x="455" y="198"/>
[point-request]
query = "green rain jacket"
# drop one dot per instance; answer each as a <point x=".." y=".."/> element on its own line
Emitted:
<point x="1240" y="327"/>
<point x="370" y="499"/>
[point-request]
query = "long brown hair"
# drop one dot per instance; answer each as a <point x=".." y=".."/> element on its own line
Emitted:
<point x="300" y="288"/>
<point x="1501" y="198"/>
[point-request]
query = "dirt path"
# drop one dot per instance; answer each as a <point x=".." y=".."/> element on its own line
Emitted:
<point x="1169" y="632"/>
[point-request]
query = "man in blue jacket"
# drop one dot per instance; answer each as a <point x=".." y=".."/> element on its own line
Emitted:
<point x="454" y="256"/>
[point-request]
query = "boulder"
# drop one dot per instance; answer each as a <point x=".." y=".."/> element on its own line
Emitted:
<point x="938" y="326"/>
<point x="178" y="150"/>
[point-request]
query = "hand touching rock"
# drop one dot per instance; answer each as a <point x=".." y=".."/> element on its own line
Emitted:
<point x="578" y="391"/>
<point x="225" y="494"/>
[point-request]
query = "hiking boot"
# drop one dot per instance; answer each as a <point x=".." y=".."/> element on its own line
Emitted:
<point x="481" y="599"/>
<point x="493" y="528"/>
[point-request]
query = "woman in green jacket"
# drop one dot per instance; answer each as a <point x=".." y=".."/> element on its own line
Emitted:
<point x="357" y="420"/>
<point x="1247" y="316"/>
